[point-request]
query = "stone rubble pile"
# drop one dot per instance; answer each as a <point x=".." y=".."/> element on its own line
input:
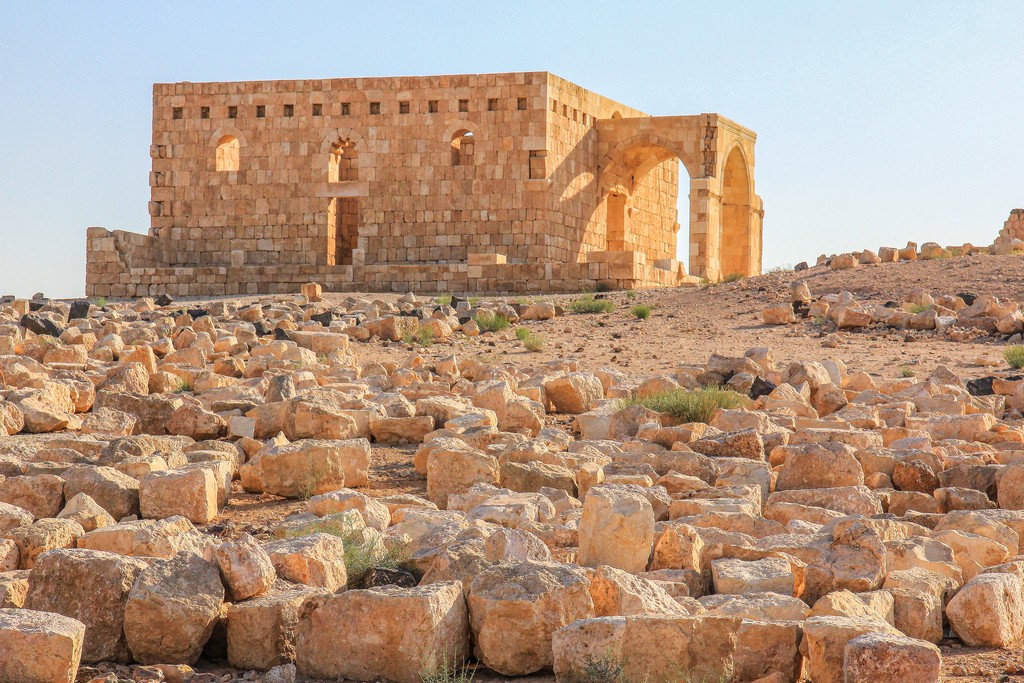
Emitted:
<point x="834" y="525"/>
<point x="960" y="317"/>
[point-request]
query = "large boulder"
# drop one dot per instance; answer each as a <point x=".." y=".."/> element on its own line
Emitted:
<point x="39" y="647"/>
<point x="190" y="492"/>
<point x="245" y="567"/>
<point x="891" y="658"/>
<point x="399" y="634"/>
<point x="115" y="492"/>
<point x="40" y="494"/>
<point x="316" y="560"/>
<point x="989" y="611"/>
<point x="515" y="608"/>
<point x="309" y="467"/>
<point x="92" y="587"/>
<point x="819" y="465"/>
<point x="617" y="528"/>
<point x="824" y="643"/>
<point x="261" y="631"/>
<point x="172" y="609"/>
<point x="574" y="393"/>
<point x="455" y="468"/>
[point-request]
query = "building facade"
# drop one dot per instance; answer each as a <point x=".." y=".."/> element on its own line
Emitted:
<point x="501" y="183"/>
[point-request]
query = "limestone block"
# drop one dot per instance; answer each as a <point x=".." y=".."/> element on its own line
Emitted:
<point x="768" y="575"/>
<point x="389" y="632"/>
<point x="245" y="567"/>
<point x="261" y="631"/>
<point x="92" y="587"/>
<point x="316" y="560"/>
<point x="616" y="528"/>
<point x="190" y="493"/>
<point x="889" y="658"/>
<point x="989" y="611"/>
<point x="39" y="647"/>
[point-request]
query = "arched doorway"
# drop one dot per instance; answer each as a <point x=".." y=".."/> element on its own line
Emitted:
<point x="736" y="213"/>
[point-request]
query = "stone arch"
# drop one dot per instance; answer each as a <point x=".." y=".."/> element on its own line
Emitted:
<point x="622" y="170"/>
<point x="737" y="239"/>
<point x="343" y="155"/>
<point x="331" y="137"/>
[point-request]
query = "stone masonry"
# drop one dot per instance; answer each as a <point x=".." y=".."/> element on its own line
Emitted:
<point x="501" y="183"/>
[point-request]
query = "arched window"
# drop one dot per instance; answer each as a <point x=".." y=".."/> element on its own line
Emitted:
<point x="228" y="152"/>
<point x="343" y="162"/>
<point x="462" y="148"/>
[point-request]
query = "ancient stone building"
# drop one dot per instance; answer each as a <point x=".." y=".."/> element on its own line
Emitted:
<point x="520" y="182"/>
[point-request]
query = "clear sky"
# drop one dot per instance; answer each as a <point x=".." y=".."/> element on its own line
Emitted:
<point x="878" y="122"/>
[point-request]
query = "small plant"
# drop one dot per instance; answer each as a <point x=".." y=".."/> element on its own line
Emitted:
<point x="474" y="301"/>
<point x="535" y="343"/>
<point x="1014" y="355"/>
<point x="449" y="670"/>
<point x="361" y="556"/>
<point x="489" y="321"/>
<point x="907" y="371"/>
<point x="698" y="405"/>
<point x="589" y="304"/>
<point x="424" y="336"/>
<point x="444" y="300"/>
<point x="733" y="277"/>
<point x="819" y="320"/>
<point x="630" y="294"/>
<point x="603" y="670"/>
<point x="918" y="308"/>
<point x="184" y="387"/>
<point x="522" y="333"/>
<point x="100" y="301"/>
<point x="642" y="311"/>
<point x="603" y="287"/>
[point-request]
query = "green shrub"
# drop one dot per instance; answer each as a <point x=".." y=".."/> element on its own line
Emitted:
<point x="603" y="287"/>
<point x="733" y="277"/>
<point x="444" y="300"/>
<point x="183" y="387"/>
<point x="642" y="311"/>
<point x="449" y="670"/>
<point x="698" y="405"/>
<point x="523" y="333"/>
<point x="474" y="301"/>
<point x="361" y="556"/>
<point x="489" y="321"/>
<point x="918" y="308"/>
<point x="535" y="343"/>
<point x="100" y="301"/>
<point x="1014" y="355"/>
<point x="630" y="294"/>
<point x="907" y="371"/>
<point x="589" y="304"/>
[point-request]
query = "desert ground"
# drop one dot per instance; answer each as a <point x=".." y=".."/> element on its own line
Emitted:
<point x="451" y="413"/>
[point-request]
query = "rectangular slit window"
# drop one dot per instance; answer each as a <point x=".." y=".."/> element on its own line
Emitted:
<point x="463" y="105"/>
<point x="374" y="107"/>
<point x="432" y="106"/>
<point x="289" y="110"/>
<point x="565" y="110"/>
<point x="345" y="108"/>
<point x="318" y="109"/>
<point x="554" y="106"/>
<point x="521" y="104"/>
<point x="492" y="104"/>
<point x="232" y="112"/>
<point x="204" y="112"/>
<point x="261" y="111"/>
<point x="403" y="107"/>
<point x="176" y="112"/>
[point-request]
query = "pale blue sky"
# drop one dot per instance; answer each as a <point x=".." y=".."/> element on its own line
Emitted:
<point x="878" y="122"/>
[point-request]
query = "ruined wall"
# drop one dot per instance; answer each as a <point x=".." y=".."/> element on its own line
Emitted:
<point x="415" y="202"/>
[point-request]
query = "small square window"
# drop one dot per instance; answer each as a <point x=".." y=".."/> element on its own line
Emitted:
<point x="403" y="107"/>
<point x="204" y="112"/>
<point x="374" y="107"/>
<point x="492" y="104"/>
<point x="261" y="111"/>
<point x="432" y="106"/>
<point x="289" y="110"/>
<point x="521" y="104"/>
<point x="318" y="109"/>
<point x="176" y="112"/>
<point x="345" y="108"/>
<point x="463" y="105"/>
<point x="232" y="112"/>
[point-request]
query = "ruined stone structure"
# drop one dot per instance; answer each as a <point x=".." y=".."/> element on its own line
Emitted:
<point x="520" y="182"/>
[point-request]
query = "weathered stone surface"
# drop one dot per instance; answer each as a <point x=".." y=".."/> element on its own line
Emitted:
<point x="375" y="514"/>
<point x="515" y="608"/>
<point x="40" y="494"/>
<point x="619" y="593"/>
<point x="261" y="631"/>
<point x="84" y="510"/>
<point x="617" y="528"/>
<point x="92" y="587"/>
<point x="115" y="492"/>
<point x="454" y="470"/>
<point x="147" y="538"/>
<point x="308" y="467"/>
<point x="988" y="611"/>
<point x="172" y="609"/>
<point x="39" y="647"/>
<point x="824" y="644"/>
<point x="316" y="560"/>
<point x="574" y="393"/>
<point x="890" y="658"/>
<point x="400" y="634"/>
<point x="768" y="575"/>
<point x="190" y="493"/>
<point x="45" y="534"/>
<point x="245" y="567"/>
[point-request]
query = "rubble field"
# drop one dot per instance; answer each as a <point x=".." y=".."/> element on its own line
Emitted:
<point x="812" y="475"/>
